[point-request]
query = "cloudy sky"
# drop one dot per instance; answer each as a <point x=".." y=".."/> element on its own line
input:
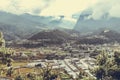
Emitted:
<point x="62" y="7"/>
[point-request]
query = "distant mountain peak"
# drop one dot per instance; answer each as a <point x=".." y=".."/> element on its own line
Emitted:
<point x="90" y="25"/>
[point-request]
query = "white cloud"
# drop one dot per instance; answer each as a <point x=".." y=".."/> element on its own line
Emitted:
<point x="62" y="7"/>
<point x="102" y="7"/>
<point x="115" y="11"/>
<point x="23" y="6"/>
<point x="67" y="7"/>
<point x="58" y="7"/>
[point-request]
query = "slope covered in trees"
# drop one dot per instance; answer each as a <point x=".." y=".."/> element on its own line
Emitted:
<point x="108" y="66"/>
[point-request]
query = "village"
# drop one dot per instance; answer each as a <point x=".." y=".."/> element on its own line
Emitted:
<point x="73" y="60"/>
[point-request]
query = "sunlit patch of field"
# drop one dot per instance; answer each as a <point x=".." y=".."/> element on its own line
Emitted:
<point x="15" y="64"/>
<point x="65" y="76"/>
<point x="23" y="71"/>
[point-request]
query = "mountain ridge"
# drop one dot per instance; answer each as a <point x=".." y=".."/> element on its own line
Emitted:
<point x="85" y="24"/>
<point x="26" y="24"/>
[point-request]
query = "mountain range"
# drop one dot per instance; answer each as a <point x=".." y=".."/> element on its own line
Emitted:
<point x="50" y="35"/>
<point x="102" y="37"/>
<point x="21" y="26"/>
<point x="24" y="26"/>
<point x="89" y="25"/>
